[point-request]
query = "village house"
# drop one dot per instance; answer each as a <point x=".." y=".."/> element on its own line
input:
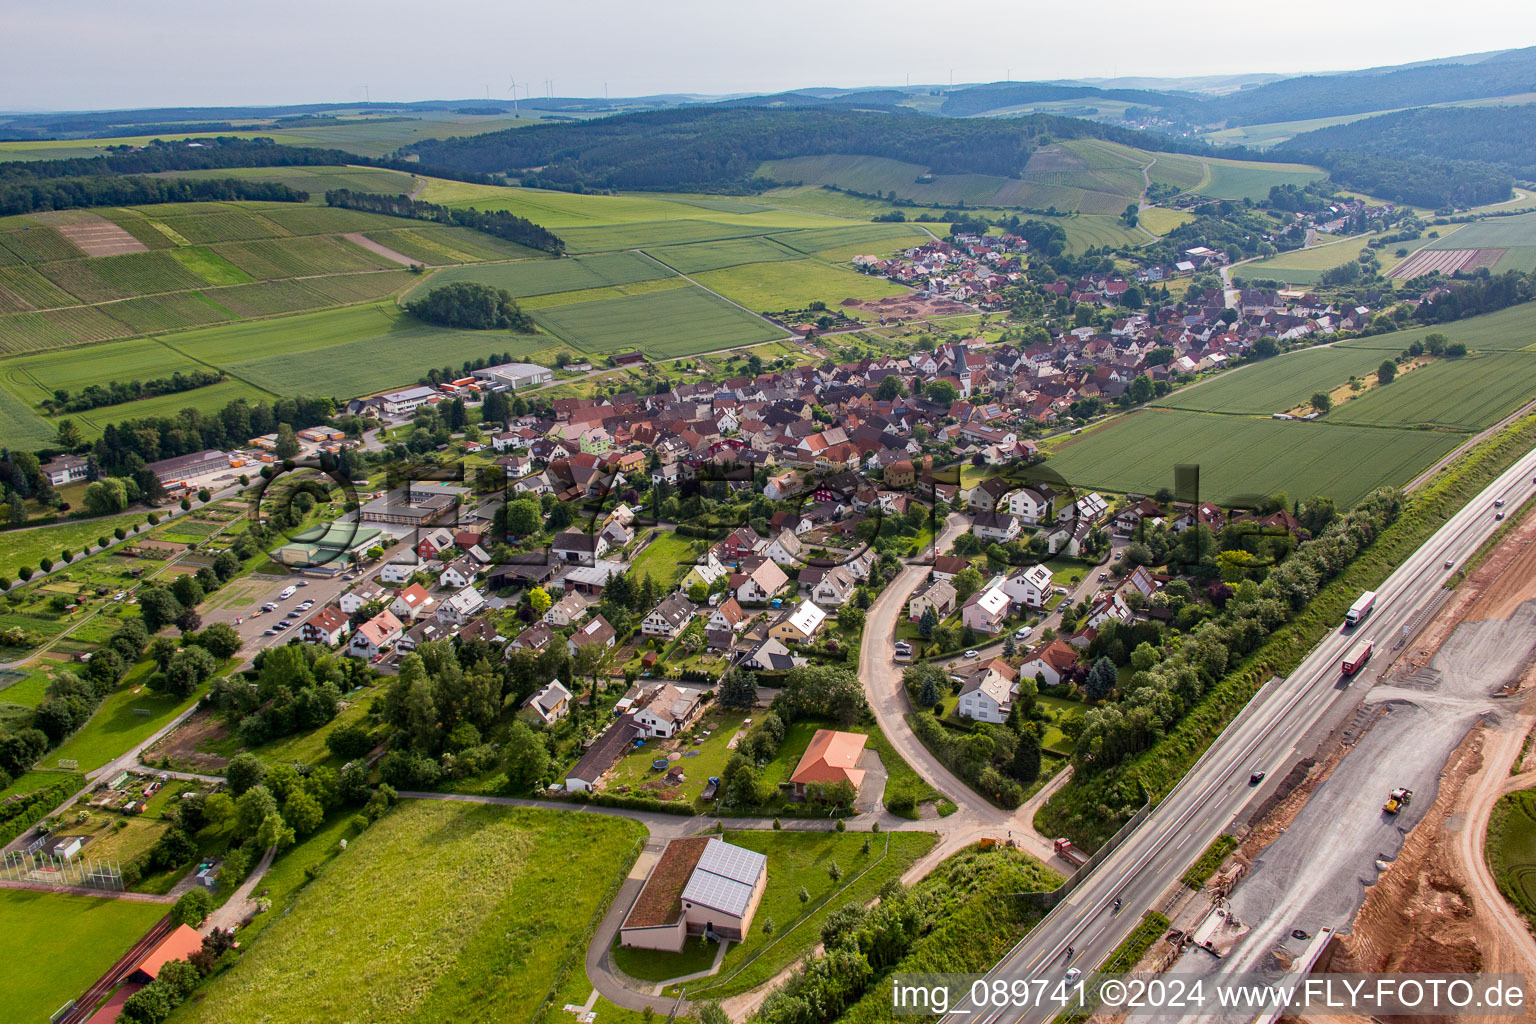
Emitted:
<point x="770" y="656"/>
<point x="727" y="616"/>
<point x="987" y="610"/>
<point x="413" y="603"/>
<point x="567" y="611"/>
<point x="667" y="709"/>
<point x="461" y="607"/>
<point x="701" y="885"/>
<point x="596" y="631"/>
<point x="759" y="586"/>
<point x="327" y="626"/>
<point x="994" y="526"/>
<point x="399" y="573"/>
<point x="576" y="548"/>
<point x="1049" y="663"/>
<point x="799" y="625"/>
<point x="1029" y="588"/>
<point x="937" y="595"/>
<point x="706" y="572"/>
<point x="371" y="638"/>
<point x="828" y="587"/>
<point x="831" y="757"/>
<point x="669" y="618"/>
<point x="987" y="695"/>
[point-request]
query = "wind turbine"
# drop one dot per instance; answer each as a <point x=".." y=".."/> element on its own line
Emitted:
<point x="513" y="90"/>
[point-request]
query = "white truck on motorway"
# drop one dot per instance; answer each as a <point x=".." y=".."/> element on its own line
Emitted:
<point x="1361" y="608"/>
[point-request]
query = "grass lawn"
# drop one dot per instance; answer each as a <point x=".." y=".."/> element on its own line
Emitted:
<point x="660" y="965"/>
<point x="496" y="936"/>
<point x="1057" y="710"/>
<point x="117" y="725"/>
<point x="634" y="768"/>
<point x="76" y="937"/>
<point x="111" y="843"/>
<point x="803" y="860"/>
<point x="666" y="559"/>
<point x="304" y="747"/>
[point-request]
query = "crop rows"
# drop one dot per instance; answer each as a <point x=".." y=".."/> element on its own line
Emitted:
<point x="168" y="312"/>
<point x="300" y="219"/>
<point x="53" y="328"/>
<point x="677" y="322"/>
<point x="732" y="252"/>
<point x="119" y="277"/>
<point x="299" y="257"/>
<point x="38" y="245"/>
<point x="32" y="289"/>
<point x="139" y="226"/>
<point x="226" y="226"/>
<point x="809" y="240"/>
<point x="409" y="243"/>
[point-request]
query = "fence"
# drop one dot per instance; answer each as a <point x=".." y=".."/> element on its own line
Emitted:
<point x="32" y="866"/>
<point x="1048" y="900"/>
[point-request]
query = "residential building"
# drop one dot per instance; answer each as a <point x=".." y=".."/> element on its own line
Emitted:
<point x="1031" y="587"/>
<point x="327" y="626"/>
<point x="987" y="695"/>
<point x="550" y="704"/>
<point x="434" y="542"/>
<point x="65" y="469"/>
<point x="727" y="615"/>
<point x="413" y="603"/>
<point x="995" y="526"/>
<point x="371" y="638"/>
<point x="706" y="572"/>
<point x="987" y="610"/>
<point x="669" y="618"/>
<point x="829" y="588"/>
<point x="1050" y="662"/>
<point x="770" y="656"/>
<point x="535" y="638"/>
<point x="398" y="573"/>
<point x="668" y="708"/>
<point x="566" y="611"/>
<point x="759" y="586"/>
<point x="799" y="625"/>
<point x="596" y="631"/>
<point x="461" y="607"/>
<point x="784" y="549"/>
<point x="937" y="594"/>
<point x="576" y="548"/>
<point x="831" y="757"/>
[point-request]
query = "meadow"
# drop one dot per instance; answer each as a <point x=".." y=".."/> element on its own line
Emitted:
<point x="665" y="559"/>
<point x="679" y="322"/>
<point x="1302" y="266"/>
<point x="76" y="937"/>
<point x="27" y="547"/>
<point x="1160" y="221"/>
<point x="702" y="256"/>
<point x="1275" y="385"/>
<point x="118" y="723"/>
<point x="1243" y="457"/>
<point x="495" y="937"/>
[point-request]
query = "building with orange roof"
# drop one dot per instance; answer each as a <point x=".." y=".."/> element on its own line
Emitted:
<point x="832" y="757"/>
<point x="178" y="945"/>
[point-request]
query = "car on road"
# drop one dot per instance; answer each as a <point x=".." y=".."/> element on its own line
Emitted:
<point x="1256" y="778"/>
<point x="1498" y="502"/>
<point x="1022" y="632"/>
<point x="1450" y="563"/>
<point x="1498" y="515"/>
<point x="286" y="594"/>
<point x="1074" y="976"/>
<point x="1119" y="555"/>
<point x="972" y="654"/>
<point x="1103" y="576"/>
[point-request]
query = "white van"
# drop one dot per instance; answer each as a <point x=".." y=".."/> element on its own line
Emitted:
<point x="287" y="593"/>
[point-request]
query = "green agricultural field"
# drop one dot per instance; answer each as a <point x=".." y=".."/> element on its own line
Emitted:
<point x="1243" y="180"/>
<point x="1176" y="169"/>
<point x="22" y="288"/>
<point x="802" y="860"/>
<point x="1087" y="231"/>
<point x="495" y="935"/>
<point x="1242" y="457"/>
<point x="1278" y="384"/>
<point x="1458" y="394"/>
<point x="679" y="322"/>
<point x="213" y="397"/>
<point x="814" y="241"/>
<point x="616" y="291"/>
<point x="771" y="287"/>
<point x="734" y="252"/>
<point x="28" y="547"/>
<point x="1516" y="235"/>
<point x="20" y="425"/>
<point x="1303" y="266"/>
<point x="542" y="277"/>
<point x="78" y="937"/>
<point x="682" y="231"/>
<point x="814" y="199"/>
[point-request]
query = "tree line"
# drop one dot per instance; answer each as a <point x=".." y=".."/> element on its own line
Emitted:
<point x="125" y="447"/>
<point x="492" y="222"/>
<point x="37" y="194"/>
<point x="95" y="396"/>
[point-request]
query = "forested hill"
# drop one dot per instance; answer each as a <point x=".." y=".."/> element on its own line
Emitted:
<point x="1295" y="99"/>
<point x="718" y="146"/>
<point x="1502" y="136"/>
<point x="982" y="98"/>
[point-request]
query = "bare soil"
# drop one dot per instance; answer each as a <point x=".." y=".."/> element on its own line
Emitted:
<point x="379" y="249"/>
<point x="101" y="238"/>
<point x="181" y="746"/>
<point x="907" y="307"/>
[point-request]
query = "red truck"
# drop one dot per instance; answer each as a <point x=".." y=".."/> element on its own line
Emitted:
<point x="1071" y="853"/>
<point x="1355" y="660"/>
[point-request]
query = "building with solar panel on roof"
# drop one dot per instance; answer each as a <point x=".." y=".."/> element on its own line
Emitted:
<point x="701" y="885"/>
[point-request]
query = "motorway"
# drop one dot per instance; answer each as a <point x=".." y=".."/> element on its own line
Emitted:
<point x="1264" y="736"/>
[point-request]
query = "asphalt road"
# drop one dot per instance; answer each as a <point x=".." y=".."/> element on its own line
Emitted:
<point x="1265" y="735"/>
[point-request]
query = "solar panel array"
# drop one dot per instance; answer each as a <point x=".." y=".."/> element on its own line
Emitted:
<point x="724" y="878"/>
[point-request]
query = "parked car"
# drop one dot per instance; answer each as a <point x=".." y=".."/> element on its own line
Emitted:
<point x="1022" y="632"/>
<point x="302" y="583"/>
<point x="973" y="654"/>
<point x="270" y="632"/>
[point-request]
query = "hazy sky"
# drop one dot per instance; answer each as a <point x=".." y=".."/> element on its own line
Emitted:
<point x="75" y="54"/>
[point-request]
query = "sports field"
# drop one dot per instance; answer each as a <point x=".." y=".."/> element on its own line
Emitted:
<point x="678" y="322"/>
<point x="69" y="941"/>
<point x="496" y="937"/>
<point x="1242" y="457"/>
